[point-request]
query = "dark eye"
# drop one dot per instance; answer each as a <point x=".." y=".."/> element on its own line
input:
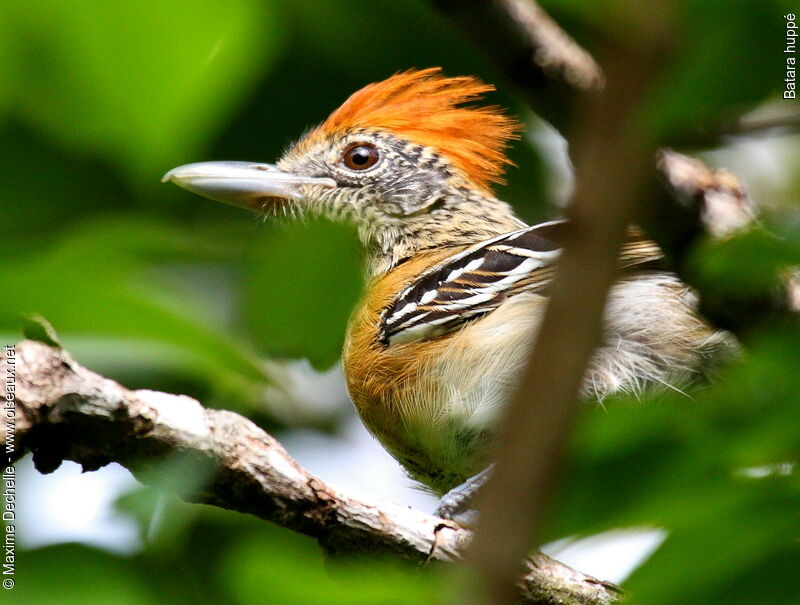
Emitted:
<point x="360" y="156"/>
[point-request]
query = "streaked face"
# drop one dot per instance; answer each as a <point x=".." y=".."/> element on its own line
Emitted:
<point x="364" y="175"/>
<point x="377" y="175"/>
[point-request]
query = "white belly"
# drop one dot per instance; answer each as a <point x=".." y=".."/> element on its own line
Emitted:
<point x="652" y="335"/>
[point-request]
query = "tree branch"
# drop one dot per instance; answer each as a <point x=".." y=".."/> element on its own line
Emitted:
<point x="66" y="412"/>
<point x="614" y="174"/>
<point x="718" y="198"/>
<point x="537" y="57"/>
<point x="611" y="164"/>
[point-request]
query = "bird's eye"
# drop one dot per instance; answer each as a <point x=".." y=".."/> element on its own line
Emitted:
<point x="360" y="156"/>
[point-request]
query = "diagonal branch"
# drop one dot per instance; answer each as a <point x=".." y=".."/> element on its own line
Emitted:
<point x="66" y="412"/>
<point x="536" y="55"/>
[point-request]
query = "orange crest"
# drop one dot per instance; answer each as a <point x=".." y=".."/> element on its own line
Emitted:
<point x="425" y="107"/>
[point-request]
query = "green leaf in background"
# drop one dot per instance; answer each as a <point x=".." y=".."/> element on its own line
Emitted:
<point x="728" y="56"/>
<point x="709" y="468"/>
<point x="289" y="570"/>
<point x="146" y="83"/>
<point x="738" y="552"/>
<point x="7" y="75"/>
<point x="39" y="329"/>
<point x="79" y="575"/>
<point x="303" y="282"/>
<point x="98" y="282"/>
<point x="746" y="265"/>
<point x="725" y="57"/>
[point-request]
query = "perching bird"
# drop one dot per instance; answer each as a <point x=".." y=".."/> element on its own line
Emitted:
<point x="457" y="283"/>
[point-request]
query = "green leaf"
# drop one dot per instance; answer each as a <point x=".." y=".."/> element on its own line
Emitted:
<point x="38" y="328"/>
<point x="728" y="56"/>
<point x="724" y="57"/>
<point x="709" y="468"/>
<point x="289" y="570"/>
<point x="70" y="573"/>
<point x="97" y="281"/>
<point x="303" y="282"/>
<point x="749" y="264"/>
<point x="713" y="557"/>
<point x="144" y="83"/>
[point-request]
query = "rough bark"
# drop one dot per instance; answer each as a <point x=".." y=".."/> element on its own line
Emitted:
<point x="66" y="412"/>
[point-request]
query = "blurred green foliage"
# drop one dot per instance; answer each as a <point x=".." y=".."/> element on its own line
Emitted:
<point x="163" y="290"/>
<point x="715" y="469"/>
<point x="198" y="554"/>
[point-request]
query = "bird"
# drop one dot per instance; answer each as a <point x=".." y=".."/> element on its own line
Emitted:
<point x="456" y="282"/>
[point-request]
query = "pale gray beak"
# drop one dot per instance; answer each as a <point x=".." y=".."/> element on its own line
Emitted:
<point x="243" y="184"/>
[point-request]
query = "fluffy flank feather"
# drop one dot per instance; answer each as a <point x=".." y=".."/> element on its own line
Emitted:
<point x="427" y="108"/>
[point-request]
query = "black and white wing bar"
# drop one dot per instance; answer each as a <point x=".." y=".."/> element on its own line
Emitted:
<point x="475" y="281"/>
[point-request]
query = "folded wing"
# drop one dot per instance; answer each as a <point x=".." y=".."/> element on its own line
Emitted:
<point x="475" y="281"/>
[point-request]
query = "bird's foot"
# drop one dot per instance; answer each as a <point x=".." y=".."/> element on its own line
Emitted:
<point x="456" y="504"/>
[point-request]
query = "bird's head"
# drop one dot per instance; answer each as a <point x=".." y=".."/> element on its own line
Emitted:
<point x="406" y="159"/>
